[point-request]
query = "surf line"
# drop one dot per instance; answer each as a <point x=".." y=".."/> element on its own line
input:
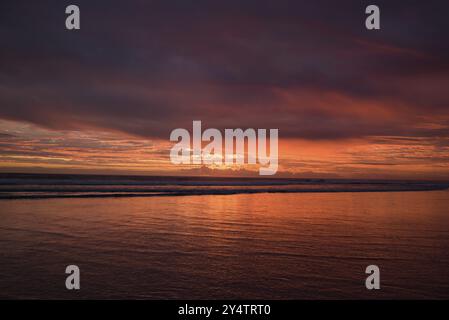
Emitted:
<point x="189" y="150"/>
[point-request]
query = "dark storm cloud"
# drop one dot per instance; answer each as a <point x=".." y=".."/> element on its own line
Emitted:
<point x="309" y="68"/>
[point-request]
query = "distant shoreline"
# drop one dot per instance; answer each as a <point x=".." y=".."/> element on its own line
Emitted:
<point x="5" y="176"/>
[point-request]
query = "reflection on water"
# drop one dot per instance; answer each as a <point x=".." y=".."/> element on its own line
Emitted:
<point x="293" y="246"/>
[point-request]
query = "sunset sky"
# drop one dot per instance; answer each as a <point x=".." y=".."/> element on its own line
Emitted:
<point x="348" y="102"/>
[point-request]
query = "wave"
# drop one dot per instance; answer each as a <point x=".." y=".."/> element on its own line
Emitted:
<point x="161" y="192"/>
<point x="38" y="186"/>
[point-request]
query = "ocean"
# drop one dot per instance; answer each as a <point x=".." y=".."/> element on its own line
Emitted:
<point x="222" y="238"/>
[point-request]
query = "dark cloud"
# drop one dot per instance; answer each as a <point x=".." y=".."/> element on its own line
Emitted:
<point x="309" y="68"/>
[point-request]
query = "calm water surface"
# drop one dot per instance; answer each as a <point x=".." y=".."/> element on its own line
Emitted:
<point x="277" y="246"/>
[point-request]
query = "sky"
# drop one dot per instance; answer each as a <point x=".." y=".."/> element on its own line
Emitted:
<point x="348" y="102"/>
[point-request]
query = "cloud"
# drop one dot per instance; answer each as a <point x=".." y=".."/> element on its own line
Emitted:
<point x="145" y="68"/>
<point x="105" y="98"/>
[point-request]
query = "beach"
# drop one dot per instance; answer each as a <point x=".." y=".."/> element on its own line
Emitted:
<point x="310" y="245"/>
